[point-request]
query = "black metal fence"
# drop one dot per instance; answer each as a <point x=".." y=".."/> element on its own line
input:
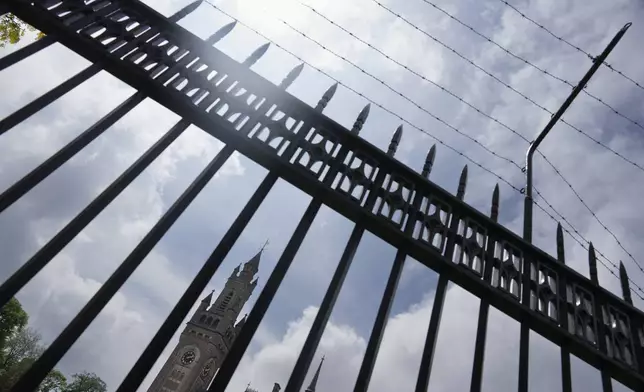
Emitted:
<point x="337" y="168"/>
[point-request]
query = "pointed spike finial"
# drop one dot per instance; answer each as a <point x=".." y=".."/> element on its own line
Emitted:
<point x="185" y="11"/>
<point x="256" y="55"/>
<point x="561" y="253"/>
<point x="328" y="94"/>
<point x="221" y="33"/>
<point x="462" y="184"/>
<point x="429" y="161"/>
<point x="592" y="264"/>
<point x="494" y="212"/>
<point x="626" y="288"/>
<point x="395" y="140"/>
<point x="362" y="118"/>
<point x="291" y="76"/>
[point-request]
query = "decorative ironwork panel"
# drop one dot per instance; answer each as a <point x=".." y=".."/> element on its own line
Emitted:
<point x="544" y="292"/>
<point x="315" y="152"/>
<point x="469" y="250"/>
<point x="582" y="321"/>
<point x="394" y="200"/>
<point x="618" y="339"/>
<point x="356" y="177"/>
<point x="506" y="273"/>
<point x="432" y="223"/>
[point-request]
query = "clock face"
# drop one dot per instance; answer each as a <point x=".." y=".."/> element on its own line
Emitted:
<point x="188" y="357"/>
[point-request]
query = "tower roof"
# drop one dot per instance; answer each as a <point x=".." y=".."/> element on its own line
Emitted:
<point x="253" y="263"/>
<point x="314" y="381"/>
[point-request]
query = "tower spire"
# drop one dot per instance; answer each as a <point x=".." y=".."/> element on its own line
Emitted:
<point x="314" y="381"/>
<point x="252" y="265"/>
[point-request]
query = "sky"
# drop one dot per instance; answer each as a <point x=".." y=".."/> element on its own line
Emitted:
<point x="609" y="186"/>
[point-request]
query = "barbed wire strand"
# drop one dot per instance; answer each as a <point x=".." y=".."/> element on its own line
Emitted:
<point x="557" y="171"/>
<point x="409" y="69"/>
<point x="465" y="156"/>
<point x="611" y="271"/>
<point x="408" y="122"/>
<point x="574" y="127"/>
<point x="587" y="242"/>
<point x="413" y="102"/>
<point x="527" y="62"/>
<point x="542" y="27"/>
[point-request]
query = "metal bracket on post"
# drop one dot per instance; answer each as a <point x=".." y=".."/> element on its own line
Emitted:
<point x="597" y="62"/>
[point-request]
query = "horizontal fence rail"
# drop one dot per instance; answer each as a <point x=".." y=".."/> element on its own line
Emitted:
<point x="337" y="168"/>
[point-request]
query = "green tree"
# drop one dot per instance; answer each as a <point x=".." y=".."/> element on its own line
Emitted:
<point x="22" y="345"/>
<point x="12" y="319"/>
<point x="55" y="382"/>
<point x="86" y="382"/>
<point x="13" y="29"/>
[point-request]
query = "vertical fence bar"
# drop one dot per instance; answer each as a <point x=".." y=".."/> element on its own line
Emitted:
<point x="321" y="318"/>
<point x="39" y="370"/>
<point x="598" y="315"/>
<point x="44" y="255"/>
<point x="33" y="178"/>
<point x="20" y="278"/>
<point x="315" y="334"/>
<point x="484" y="307"/>
<point x="34" y="106"/>
<point x="432" y="335"/>
<point x="371" y="353"/>
<point x="562" y="295"/>
<point x="424" y="373"/>
<point x="234" y="356"/>
<point x="524" y="342"/>
<point x="39" y="103"/>
<point x="142" y="367"/>
<point x="264" y="300"/>
<point x="25" y="51"/>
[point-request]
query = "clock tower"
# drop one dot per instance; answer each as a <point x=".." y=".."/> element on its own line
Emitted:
<point x="208" y="335"/>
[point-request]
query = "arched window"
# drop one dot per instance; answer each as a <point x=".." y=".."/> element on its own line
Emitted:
<point x="202" y="319"/>
<point x="215" y="323"/>
<point x="209" y="321"/>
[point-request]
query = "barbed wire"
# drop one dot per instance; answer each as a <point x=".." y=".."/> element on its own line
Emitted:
<point x="595" y="216"/>
<point x="611" y="271"/>
<point x="586" y="241"/>
<point x="465" y="156"/>
<point x="527" y="62"/>
<point x="574" y="127"/>
<point x="408" y="122"/>
<point x="577" y="48"/>
<point x="416" y="73"/>
<point x="397" y="92"/>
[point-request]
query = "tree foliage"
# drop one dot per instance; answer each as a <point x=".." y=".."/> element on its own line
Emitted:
<point x="21" y="347"/>
<point x="13" y="29"/>
<point x="55" y="382"/>
<point x="12" y="319"/>
<point x="86" y="382"/>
